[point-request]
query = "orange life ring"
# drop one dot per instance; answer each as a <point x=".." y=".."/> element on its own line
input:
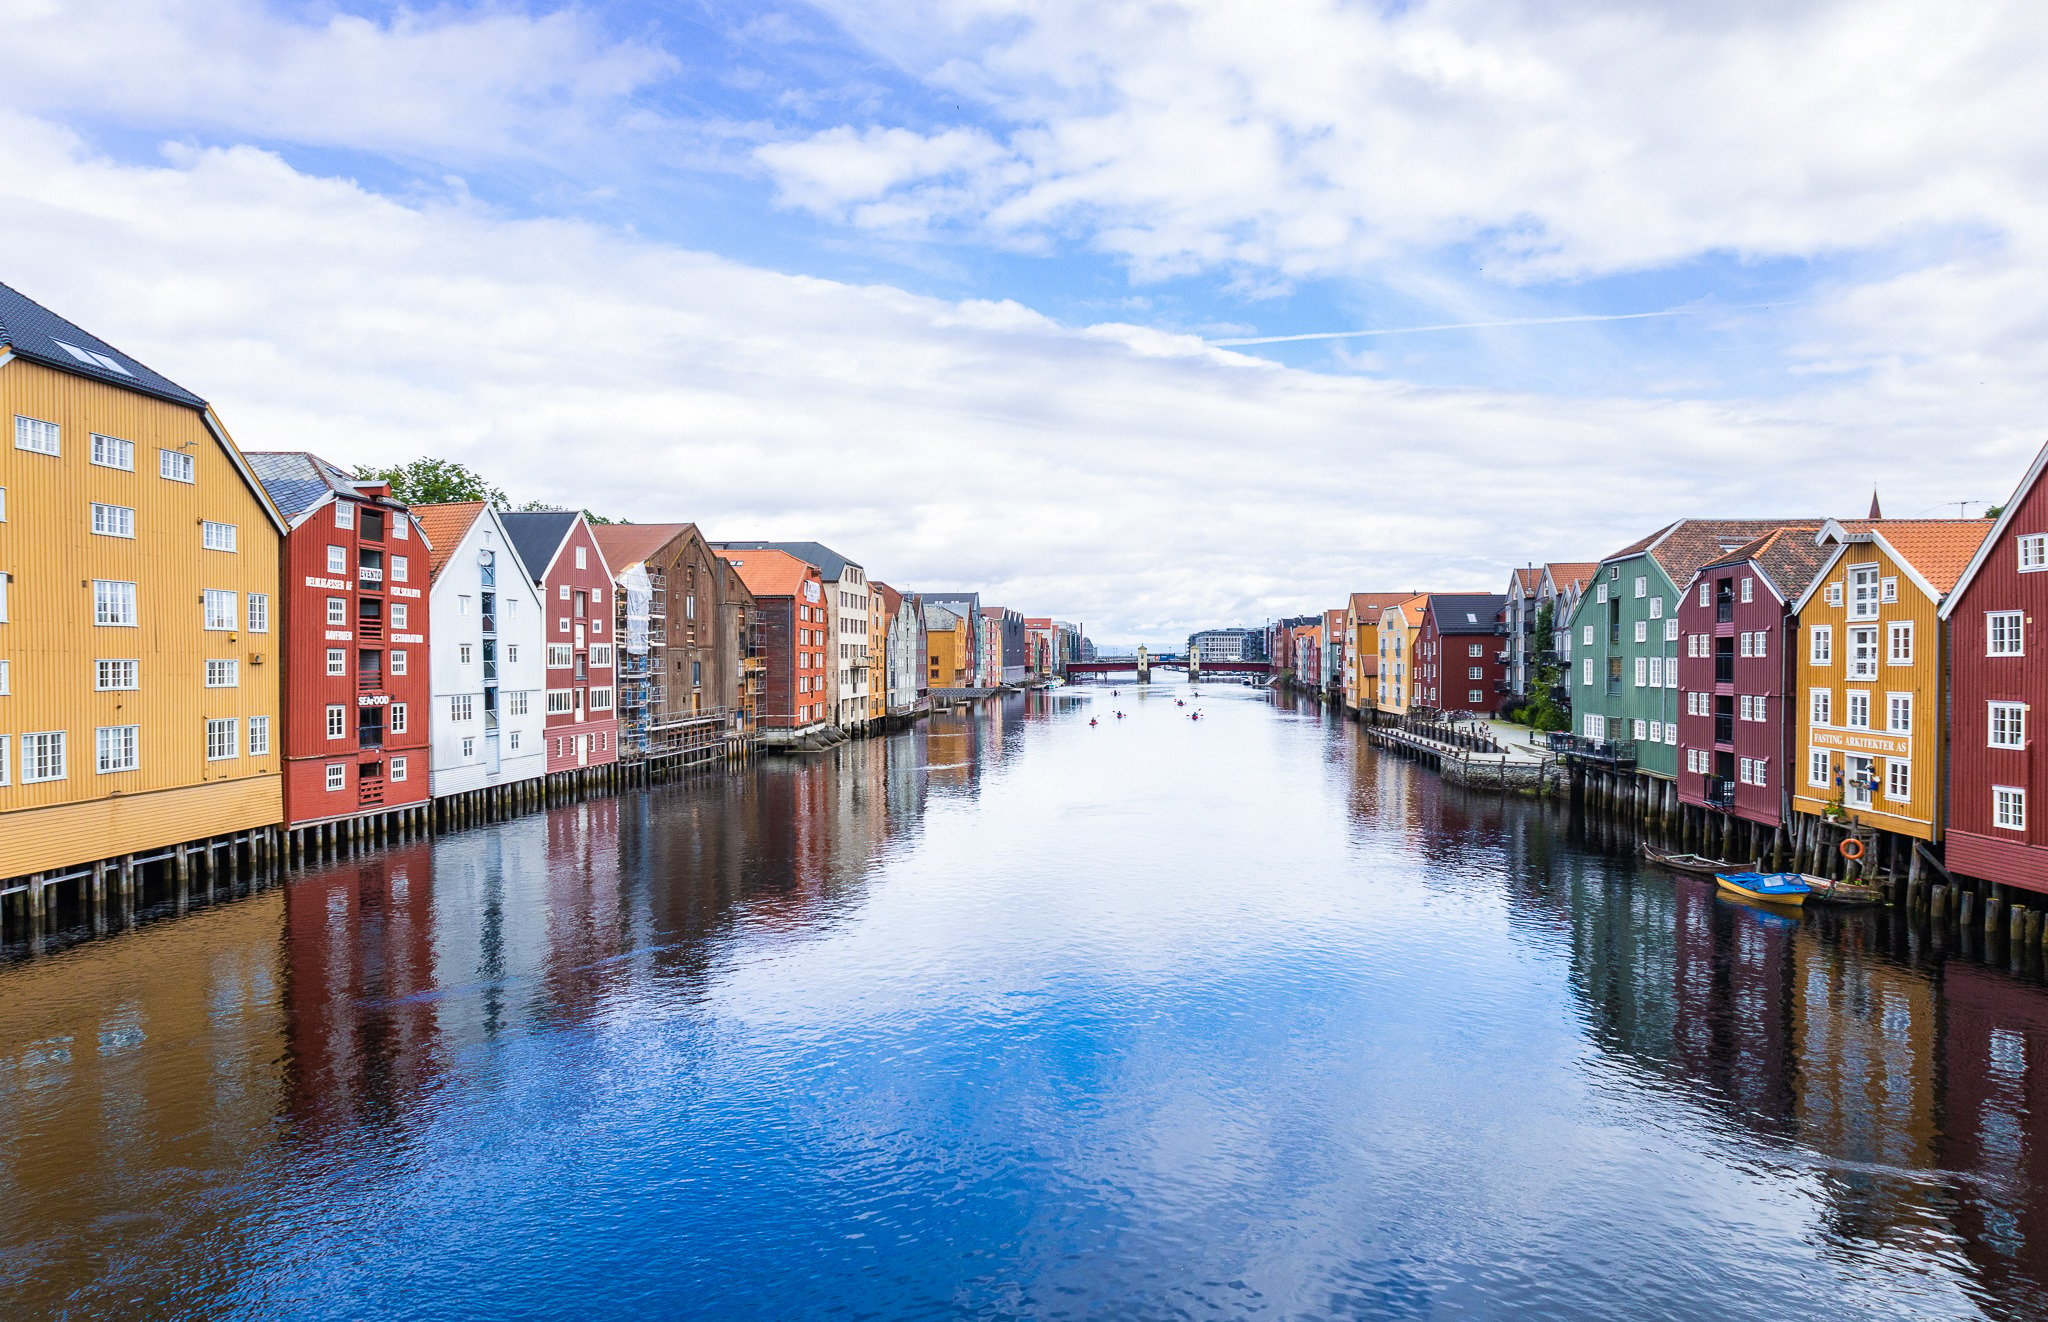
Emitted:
<point x="1852" y="848"/>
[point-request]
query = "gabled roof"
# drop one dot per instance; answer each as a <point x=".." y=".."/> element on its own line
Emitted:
<point x="1373" y="604"/>
<point x="627" y="544"/>
<point x="1525" y="580"/>
<point x="940" y="618"/>
<point x="299" y="482"/>
<point x="538" y="536"/>
<point x="1681" y="548"/>
<point x="1991" y="539"/>
<point x="444" y="527"/>
<point x="1932" y="552"/>
<point x="830" y="563"/>
<point x="40" y="335"/>
<point x="1566" y="574"/>
<point x="1786" y="559"/>
<point x="1467" y="612"/>
<point x="892" y="600"/>
<point x="770" y="573"/>
<point x="1411" y="607"/>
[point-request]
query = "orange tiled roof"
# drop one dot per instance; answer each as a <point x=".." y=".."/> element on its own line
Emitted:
<point x="631" y="543"/>
<point x="445" y="527"/>
<point x="893" y="600"/>
<point x="1940" y="549"/>
<point x="1372" y="603"/>
<point x="771" y="573"/>
<point x="1569" y="573"/>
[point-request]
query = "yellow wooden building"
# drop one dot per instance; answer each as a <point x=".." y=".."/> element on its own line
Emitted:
<point x="139" y="645"/>
<point x="1362" y="646"/>
<point x="1868" y="694"/>
<point x="1400" y="626"/>
<point x="949" y="648"/>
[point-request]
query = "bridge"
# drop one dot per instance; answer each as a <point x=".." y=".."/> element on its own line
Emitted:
<point x="1128" y="665"/>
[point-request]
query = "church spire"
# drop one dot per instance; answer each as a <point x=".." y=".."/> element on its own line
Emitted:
<point x="1875" y="512"/>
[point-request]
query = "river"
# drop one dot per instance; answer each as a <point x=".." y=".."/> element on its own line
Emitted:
<point x="1018" y="1016"/>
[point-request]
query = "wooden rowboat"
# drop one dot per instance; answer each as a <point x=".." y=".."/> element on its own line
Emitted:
<point x="1693" y="863"/>
<point x="1765" y="887"/>
<point x="1842" y="892"/>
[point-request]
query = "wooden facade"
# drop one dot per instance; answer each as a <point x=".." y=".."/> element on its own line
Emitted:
<point x="1998" y="664"/>
<point x="1459" y="653"/>
<point x="126" y="585"/>
<point x="789" y="604"/>
<point x="563" y="559"/>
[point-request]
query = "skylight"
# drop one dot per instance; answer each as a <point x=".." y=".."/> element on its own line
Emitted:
<point x="91" y="359"/>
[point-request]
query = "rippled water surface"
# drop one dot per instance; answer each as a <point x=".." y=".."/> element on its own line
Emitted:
<point x="1012" y="1016"/>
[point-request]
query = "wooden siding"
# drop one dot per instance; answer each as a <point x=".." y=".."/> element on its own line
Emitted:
<point x="68" y="834"/>
<point x="1919" y="816"/>
<point x="1631" y="710"/>
<point x="1755" y="677"/>
<point x="1980" y="848"/>
<point x="48" y="547"/>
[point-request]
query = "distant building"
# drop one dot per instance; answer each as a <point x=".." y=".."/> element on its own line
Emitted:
<point x="562" y="558"/>
<point x="789" y="596"/>
<point x="1211" y="645"/>
<point x="847" y="598"/>
<point x="1460" y="665"/>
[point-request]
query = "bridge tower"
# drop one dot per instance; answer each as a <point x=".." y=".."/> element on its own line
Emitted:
<point x="1144" y="665"/>
<point x="1194" y="664"/>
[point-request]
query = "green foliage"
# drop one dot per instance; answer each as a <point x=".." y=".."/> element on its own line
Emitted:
<point x="1993" y="511"/>
<point x="1545" y="710"/>
<point x="434" y="482"/>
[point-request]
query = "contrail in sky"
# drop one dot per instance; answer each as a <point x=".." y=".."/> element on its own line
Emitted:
<point x="1463" y="325"/>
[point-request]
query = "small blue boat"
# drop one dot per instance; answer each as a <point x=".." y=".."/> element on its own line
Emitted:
<point x="1768" y="887"/>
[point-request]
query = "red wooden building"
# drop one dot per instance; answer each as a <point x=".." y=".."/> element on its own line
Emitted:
<point x="1998" y="678"/>
<point x="1735" y="672"/>
<point x="565" y="562"/>
<point x="357" y="686"/>
<point x="1458" y="660"/>
<point x="790" y="599"/>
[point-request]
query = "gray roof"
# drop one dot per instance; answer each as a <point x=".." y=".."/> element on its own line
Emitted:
<point x="831" y="564"/>
<point x="938" y="617"/>
<point x="971" y="600"/>
<point x="1467" y="612"/>
<point x="38" y="334"/>
<point x="537" y="535"/>
<point x="298" y="481"/>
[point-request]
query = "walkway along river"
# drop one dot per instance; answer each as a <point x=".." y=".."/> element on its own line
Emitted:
<point x="1016" y="1016"/>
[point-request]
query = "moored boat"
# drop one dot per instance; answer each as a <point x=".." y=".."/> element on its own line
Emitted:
<point x="1765" y="887"/>
<point x="1841" y="892"/>
<point x="1693" y="863"/>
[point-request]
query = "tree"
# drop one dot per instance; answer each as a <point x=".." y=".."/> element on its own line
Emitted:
<point x="548" y="506"/>
<point x="428" y="481"/>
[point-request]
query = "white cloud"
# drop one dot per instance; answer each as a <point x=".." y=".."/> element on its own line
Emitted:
<point x="1139" y="481"/>
<point x="444" y="84"/>
<point x="1313" y="136"/>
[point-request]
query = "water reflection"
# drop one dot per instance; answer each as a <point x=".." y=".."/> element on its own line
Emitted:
<point x="1011" y="1016"/>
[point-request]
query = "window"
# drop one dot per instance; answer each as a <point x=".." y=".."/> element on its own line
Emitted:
<point x="582" y="558"/>
<point x="112" y="602"/>
<point x="559" y="656"/>
<point x="564" y="591"/>
<point x="600" y="699"/>
<point x="1898" y="713"/>
<point x="1863" y="652"/>
<point x="1898" y="779"/>
<point x="1642" y="671"/>
<point x="512" y="653"/>
<point x="469" y="745"/>
<point x="1477" y="649"/>
<point x="337" y="612"/>
<point x="1475" y="672"/>
<point x="2008" y="805"/>
<point x="399" y="565"/>
<point x="223" y="674"/>
<point x="1748" y="590"/>
<point x="337" y="776"/>
<point x="1642" y="730"/>
<point x="1695" y="759"/>
<point x="1856" y="710"/>
<point x="42" y="757"/>
<point x="216" y="536"/>
<point x="337" y="721"/>
<point x="462" y="707"/>
<point x="1763" y="645"/>
<point x="601" y="655"/>
<point x="1642" y="631"/>
<point x="1656" y="608"/>
<point x="113" y="520"/>
<point x="259" y="736"/>
<point x="1600" y="594"/>
<point x="1833" y="594"/>
<point x="1823" y="701"/>
<point x="462" y="654"/>
<point x="462" y="606"/>
<point x="2008" y="725"/>
<point x="1642" y="587"/>
<point x="1743" y="770"/>
<point x="512" y="741"/>
<point x="2033" y="553"/>
<point x="259" y="612"/>
<point x="515" y="705"/>
<point x="221" y="610"/>
<point x="398" y="662"/>
<point x="561" y="702"/>
<point x="399" y="615"/>
<point x="1706" y="595"/>
<point x="175" y="465"/>
<point x="109" y="675"/>
<point x="1899" y="649"/>
<point x="344" y="514"/>
<point x="113" y="452"/>
<point x="337" y="661"/>
<point x="1821" y="645"/>
<point x="562" y="625"/>
<point x="401" y="528"/>
<point x="1656" y="732"/>
<point x="398" y="717"/>
<point x="2002" y="634"/>
<point x="1745" y="646"/>
<point x="1588" y="639"/>
<point x="223" y="739"/>
<point x="337" y="560"/>
<point x="116" y="747"/>
<point x="1656" y="672"/>
<point x="42" y="438"/>
<point x="1695" y="704"/>
<point x="1863" y="591"/>
<point x="1819" y="771"/>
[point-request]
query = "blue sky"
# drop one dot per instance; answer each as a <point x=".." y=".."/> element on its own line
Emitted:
<point x="936" y="280"/>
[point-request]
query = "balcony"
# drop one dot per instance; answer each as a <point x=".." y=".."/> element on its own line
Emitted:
<point x="369" y="681"/>
<point x="370" y="791"/>
<point x="1602" y="752"/>
<point x="1724" y="670"/>
<point x="1720" y="792"/>
<point x="1724" y="728"/>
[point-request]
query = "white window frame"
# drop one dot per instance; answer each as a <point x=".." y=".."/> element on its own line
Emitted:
<point x="124" y="742"/>
<point x="337" y="560"/>
<point x="113" y="520"/>
<point x="2009" y="807"/>
<point x="223" y="610"/>
<point x="223" y="732"/>
<point x="109" y="672"/>
<point x="2007" y="626"/>
<point x="1862" y="649"/>
<point x="113" y="452"/>
<point x="1855" y="705"/>
<point x="1820" y="707"/>
<point x="1896" y="771"/>
<point x="337" y="776"/>
<point x="215" y="536"/>
<point x="52" y="768"/>
<point x="2033" y="552"/>
<point x="1896" y="632"/>
<point x="1898" y="713"/>
<point x="116" y="594"/>
<point x="259" y="736"/>
<point x="257" y="612"/>
<point x="337" y="612"/>
<point x="337" y="661"/>
<point x="223" y="672"/>
<point x="37" y="437"/>
<point x="397" y="768"/>
<point x="1864" y="592"/>
<point x="461" y="706"/>
<point x="176" y="466"/>
<point x="1820" y="645"/>
<point x="345" y="514"/>
<point x="2009" y="718"/>
<point x="337" y="720"/>
<point x="399" y="716"/>
<point x="1820" y="768"/>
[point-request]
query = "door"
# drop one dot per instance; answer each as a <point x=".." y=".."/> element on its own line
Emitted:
<point x="582" y="750"/>
<point x="1858" y="779"/>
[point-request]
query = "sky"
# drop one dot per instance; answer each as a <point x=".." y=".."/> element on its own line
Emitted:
<point x="1042" y="299"/>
